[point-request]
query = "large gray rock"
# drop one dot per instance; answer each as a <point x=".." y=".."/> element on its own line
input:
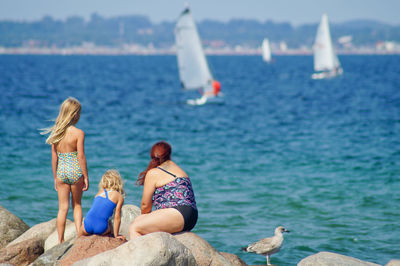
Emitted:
<point x="329" y="259"/>
<point x="22" y="253"/>
<point x="393" y="263"/>
<point x="52" y="240"/>
<point x="204" y="253"/>
<point x="233" y="259"/>
<point x="11" y="227"/>
<point x="40" y="231"/>
<point x="52" y="256"/>
<point x="129" y="213"/>
<point x="89" y="246"/>
<point x="153" y="249"/>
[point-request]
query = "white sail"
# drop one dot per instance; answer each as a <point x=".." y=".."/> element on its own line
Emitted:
<point x="325" y="58"/>
<point x="193" y="68"/>
<point x="266" y="51"/>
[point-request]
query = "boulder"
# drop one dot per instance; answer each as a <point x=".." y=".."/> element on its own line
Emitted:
<point x="393" y="263"/>
<point x="129" y="213"/>
<point x="153" y="249"/>
<point x="53" y="255"/>
<point x="233" y="259"/>
<point x="22" y="253"/>
<point x="89" y="246"/>
<point x="204" y="253"/>
<point x="41" y="231"/>
<point x="329" y="258"/>
<point x="11" y="227"/>
<point x="52" y="240"/>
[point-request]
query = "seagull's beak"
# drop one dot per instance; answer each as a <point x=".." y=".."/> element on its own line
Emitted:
<point x="287" y="231"/>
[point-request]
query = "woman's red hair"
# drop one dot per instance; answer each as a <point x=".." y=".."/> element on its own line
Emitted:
<point x="159" y="153"/>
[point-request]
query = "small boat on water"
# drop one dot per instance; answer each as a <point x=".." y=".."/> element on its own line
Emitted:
<point x="266" y="51"/>
<point x="193" y="67"/>
<point x="326" y="63"/>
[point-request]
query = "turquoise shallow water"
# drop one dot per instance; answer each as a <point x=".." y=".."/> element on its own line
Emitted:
<point x="319" y="157"/>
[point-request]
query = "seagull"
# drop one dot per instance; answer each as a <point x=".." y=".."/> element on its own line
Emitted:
<point x="268" y="246"/>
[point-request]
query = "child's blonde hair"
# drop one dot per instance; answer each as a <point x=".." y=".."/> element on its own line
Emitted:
<point x="70" y="111"/>
<point x="112" y="180"/>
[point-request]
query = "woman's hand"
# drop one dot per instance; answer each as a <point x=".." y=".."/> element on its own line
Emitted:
<point x="55" y="184"/>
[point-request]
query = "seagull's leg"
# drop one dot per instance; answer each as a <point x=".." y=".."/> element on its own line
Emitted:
<point x="268" y="263"/>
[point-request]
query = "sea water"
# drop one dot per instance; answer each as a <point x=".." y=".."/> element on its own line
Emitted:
<point x="320" y="157"/>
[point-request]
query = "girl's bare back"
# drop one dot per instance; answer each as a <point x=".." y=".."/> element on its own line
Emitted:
<point x="70" y="141"/>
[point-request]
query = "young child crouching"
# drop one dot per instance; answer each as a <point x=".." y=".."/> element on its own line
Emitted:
<point x="109" y="198"/>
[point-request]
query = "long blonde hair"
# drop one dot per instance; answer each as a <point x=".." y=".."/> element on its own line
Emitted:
<point x="70" y="111"/>
<point x="112" y="180"/>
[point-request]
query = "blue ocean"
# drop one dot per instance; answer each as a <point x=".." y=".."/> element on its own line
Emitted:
<point x="320" y="157"/>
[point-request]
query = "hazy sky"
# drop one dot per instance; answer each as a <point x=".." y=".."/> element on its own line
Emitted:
<point x="293" y="11"/>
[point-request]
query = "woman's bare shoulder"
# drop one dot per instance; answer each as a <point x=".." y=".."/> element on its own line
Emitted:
<point x="152" y="173"/>
<point x="177" y="170"/>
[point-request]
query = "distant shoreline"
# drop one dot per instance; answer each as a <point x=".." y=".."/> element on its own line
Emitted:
<point x="117" y="51"/>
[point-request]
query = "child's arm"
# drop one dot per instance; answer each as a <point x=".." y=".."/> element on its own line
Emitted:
<point x="54" y="162"/>
<point x="82" y="159"/>
<point x="117" y="217"/>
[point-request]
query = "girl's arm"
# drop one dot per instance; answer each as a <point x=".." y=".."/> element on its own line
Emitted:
<point x="82" y="159"/>
<point x="149" y="187"/>
<point x="117" y="217"/>
<point x="54" y="162"/>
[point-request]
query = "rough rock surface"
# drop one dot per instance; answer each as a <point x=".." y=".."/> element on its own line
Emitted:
<point x="129" y="213"/>
<point x="153" y="249"/>
<point x="52" y="240"/>
<point x="393" y="263"/>
<point x="50" y="257"/>
<point x="22" y="253"/>
<point x="11" y="227"/>
<point x="89" y="246"/>
<point x="329" y="258"/>
<point x="41" y="231"/>
<point x="204" y="253"/>
<point x="233" y="259"/>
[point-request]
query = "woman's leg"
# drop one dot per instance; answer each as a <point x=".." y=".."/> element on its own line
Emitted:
<point x="164" y="220"/>
<point x="76" y="190"/>
<point x="63" y="191"/>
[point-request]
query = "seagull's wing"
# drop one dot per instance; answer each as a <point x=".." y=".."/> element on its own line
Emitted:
<point x="261" y="246"/>
<point x="267" y="245"/>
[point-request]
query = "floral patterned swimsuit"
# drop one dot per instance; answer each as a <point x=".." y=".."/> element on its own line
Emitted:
<point x="68" y="168"/>
<point x="177" y="194"/>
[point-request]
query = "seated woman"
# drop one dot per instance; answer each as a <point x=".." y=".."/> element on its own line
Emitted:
<point x="168" y="188"/>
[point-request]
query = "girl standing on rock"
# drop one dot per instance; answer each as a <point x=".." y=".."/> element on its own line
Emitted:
<point x="109" y="198"/>
<point x="68" y="163"/>
<point x="168" y="188"/>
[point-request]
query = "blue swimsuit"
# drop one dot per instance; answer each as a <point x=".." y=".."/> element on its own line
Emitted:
<point x="96" y="221"/>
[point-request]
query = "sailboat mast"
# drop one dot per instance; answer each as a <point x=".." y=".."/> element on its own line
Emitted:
<point x="193" y="66"/>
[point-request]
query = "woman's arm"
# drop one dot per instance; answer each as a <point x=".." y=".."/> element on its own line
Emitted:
<point x="149" y="187"/>
<point x="117" y="217"/>
<point x="54" y="162"/>
<point x="82" y="159"/>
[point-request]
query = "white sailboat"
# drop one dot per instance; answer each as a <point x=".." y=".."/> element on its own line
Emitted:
<point x="266" y="51"/>
<point x="194" y="71"/>
<point x="326" y="63"/>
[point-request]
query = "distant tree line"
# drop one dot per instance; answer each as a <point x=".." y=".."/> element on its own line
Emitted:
<point x="138" y="29"/>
